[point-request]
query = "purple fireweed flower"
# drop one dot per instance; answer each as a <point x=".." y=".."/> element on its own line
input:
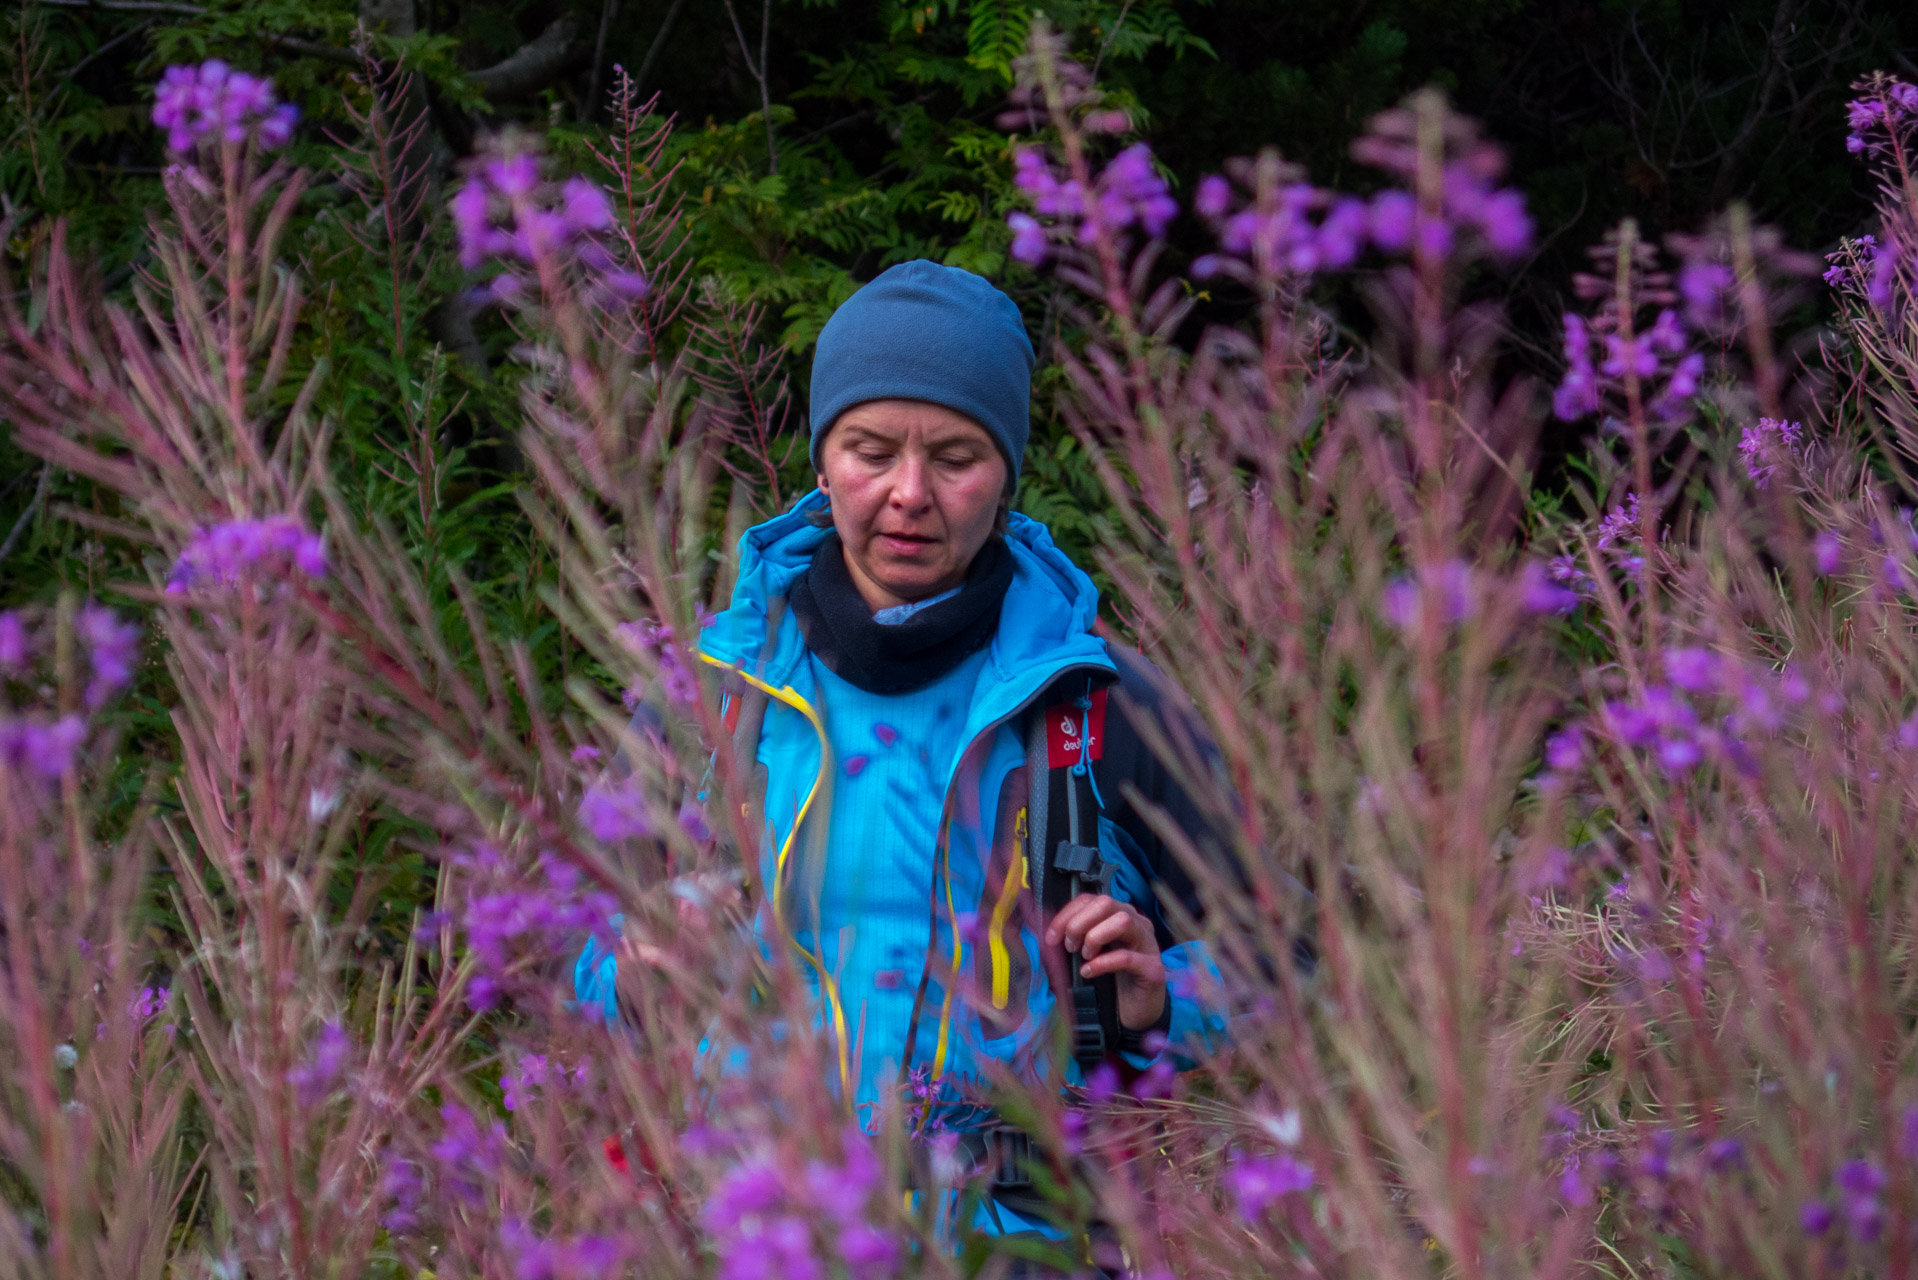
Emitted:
<point x="1620" y="525"/>
<point x="1449" y="586"/>
<point x="1680" y="387"/>
<point x="213" y="103"/>
<point x="1628" y="355"/>
<point x="1341" y="235"/>
<point x="222" y="553"/>
<point x="1815" y="1218"/>
<point x="1212" y="198"/>
<point x="747" y="1191"/>
<point x="1667" y="333"/>
<point x="1577" y="394"/>
<point x="1885" y="261"/>
<point x="1828" y="553"/>
<point x="1433" y="237"/>
<point x="148" y="1002"/>
<point x="868" y="1254"/>
<point x="615" y="811"/>
<point x="1725" y="1155"/>
<point x="314" y="1078"/>
<point x="514" y="175"/>
<point x="584" y="208"/>
<point x="468" y="1155"/>
<point x="1765" y="444"/>
<point x="504" y="214"/>
<point x="112" y="647"/>
<point x="1506" y="224"/>
<point x="1540" y="592"/>
<point x="15" y="648"/>
<point x="1693" y="670"/>
<point x="521" y="1086"/>
<point x="652" y="640"/>
<point x="1390" y="219"/>
<point x="1859" y="1185"/>
<point x="1702" y="285"/>
<point x="1155" y="1081"/>
<point x="1029" y="243"/>
<point x="1565" y="750"/>
<point x="44" y="750"/>
<point x="1257" y="1181"/>
<point x="1655" y="1161"/>
<point x="692" y="820"/>
<point x="401" y="1186"/>
<point x="538" y="917"/>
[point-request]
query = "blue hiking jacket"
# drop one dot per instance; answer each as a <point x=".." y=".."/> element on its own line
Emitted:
<point x="954" y="912"/>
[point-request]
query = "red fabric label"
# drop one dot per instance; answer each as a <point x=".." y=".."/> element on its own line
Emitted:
<point x="1062" y="731"/>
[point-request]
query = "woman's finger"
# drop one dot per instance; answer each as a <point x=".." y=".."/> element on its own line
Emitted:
<point x="1140" y="964"/>
<point x="1117" y="927"/>
<point x="1070" y="924"/>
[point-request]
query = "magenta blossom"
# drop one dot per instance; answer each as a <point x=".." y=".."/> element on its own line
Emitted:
<point x="505" y="214"/>
<point x="223" y="553"/>
<point x="1768" y="444"/>
<point x="41" y="750"/>
<point x="1258" y="1181"/>
<point x="112" y="648"/>
<point x="212" y="103"/>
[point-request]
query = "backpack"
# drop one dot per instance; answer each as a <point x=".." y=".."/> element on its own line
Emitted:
<point x="1064" y="744"/>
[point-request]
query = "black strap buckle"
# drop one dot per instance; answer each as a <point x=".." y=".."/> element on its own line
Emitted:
<point x="1085" y="862"/>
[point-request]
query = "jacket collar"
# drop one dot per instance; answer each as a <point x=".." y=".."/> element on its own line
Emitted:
<point x="1045" y="623"/>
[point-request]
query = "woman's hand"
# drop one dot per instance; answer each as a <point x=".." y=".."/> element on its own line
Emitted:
<point x="1110" y="936"/>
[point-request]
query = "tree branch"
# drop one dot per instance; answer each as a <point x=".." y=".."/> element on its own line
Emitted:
<point x="533" y="65"/>
<point x="658" y="45"/>
<point x="759" y="72"/>
<point x="130" y="6"/>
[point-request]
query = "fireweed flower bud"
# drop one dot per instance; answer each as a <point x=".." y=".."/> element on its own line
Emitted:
<point x="15" y="649"/>
<point x="112" y="647"/>
<point x="314" y="1078"/>
<point x="1828" y="553"/>
<point x="1213" y="197"/>
<point x="1028" y="239"/>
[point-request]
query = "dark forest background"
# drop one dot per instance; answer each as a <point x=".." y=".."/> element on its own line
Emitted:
<point x="821" y="140"/>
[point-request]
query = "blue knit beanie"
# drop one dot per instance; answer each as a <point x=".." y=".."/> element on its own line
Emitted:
<point x="922" y="331"/>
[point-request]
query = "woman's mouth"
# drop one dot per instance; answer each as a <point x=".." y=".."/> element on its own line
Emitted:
<point x="905" y="544"/>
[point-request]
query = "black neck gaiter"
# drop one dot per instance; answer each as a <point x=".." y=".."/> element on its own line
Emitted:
<point x="839" y="629"/>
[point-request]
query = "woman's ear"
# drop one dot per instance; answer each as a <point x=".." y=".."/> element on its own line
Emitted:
<point x="824" y="487"/>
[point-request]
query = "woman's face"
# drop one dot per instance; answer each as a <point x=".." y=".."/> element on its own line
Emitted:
<point x="915" y="492"/>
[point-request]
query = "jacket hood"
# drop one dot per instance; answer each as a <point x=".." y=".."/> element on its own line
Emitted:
<point x="1046" y="620"/>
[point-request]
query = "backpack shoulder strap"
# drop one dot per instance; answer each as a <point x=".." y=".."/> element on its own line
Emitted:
<point x="1062" y="855"/>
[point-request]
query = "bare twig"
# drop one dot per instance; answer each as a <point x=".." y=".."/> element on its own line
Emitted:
<point x="105" y="48"/>
<point x="758" y="72"/>
<point x="607" y="9"/>
<point x="658" y="45"/>
<point x="33" y="508"/>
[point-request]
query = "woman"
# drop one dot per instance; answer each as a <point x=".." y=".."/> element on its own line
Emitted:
<point x="902" y="632"/>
